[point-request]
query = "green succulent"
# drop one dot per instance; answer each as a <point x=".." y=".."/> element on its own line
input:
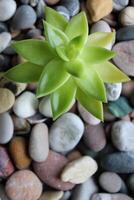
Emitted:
<point x="69" y="64"/>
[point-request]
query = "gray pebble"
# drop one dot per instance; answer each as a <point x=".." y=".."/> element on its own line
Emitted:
<point x="73" y="6"/>
<point x="3" y="195"/>
<point x="113" y="91"/>
<point x="100" y="26"/>
<point x="34" y="3"/>
<point x="40" y="9"/>
<point x="105" y="196"/>
<point x="66" y="195"/>
<point x="130" y="182"/>
<point x="33" y="33"/>
<point x="24" y="18"/>
<point x="125" y="33"/>
<point x="45" y="107"/>
<point x="63" y="11"/>
<point x="3" y="27"/>
<point x="5" y="39"/>
<point x="119" y="4"/>
<point x="7" y="9"/>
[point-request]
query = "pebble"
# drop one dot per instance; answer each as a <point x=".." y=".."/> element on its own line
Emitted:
<point x="18" y="150"/>
<point x="3" y="195"/>
<point x="37" y="118"/>
<point x="49" y="170"/>
<point x="66" y="132"/>
<point x="86" y="116"/>
<point x="40" y="11"/>
<point x="7" y="9"/>
<point x="113" y="91"/>
<point x="73" y="6"/>
<point x="122" y="135"/>
<point x="110" y="182"/>
<point x="3" y="27"/>
<point x="6" y="166"/>
<point x="24" y="18"/>
<point x="105" y="196"/>
<point x="52" y="2"/>
<point x="38" y="144"/>
<point x="124" y="58"/>
<point x="127" y="16"/>
<point x="52" y="195"/>
<point x="100" y="26"/>
<point x="66" y="195"/>
<point x="118" y="5"/>
<point x="63" y="11"/>
<point x="125" y="34"/>
<point x="74" y="155"/>
<point x="119" y="162"/>
<point x="6" y="128"/>
<point x="130" y="182"/>
<point x="7" y="100"/>
<point x="98" y="11"/>
<point x="85" y="190"/>
<point x="23" y="185"/>
<point x="5" y="39"/>
<point x="45" y="107"/>
<point x="78" y="171"/>
<point x="94" y="137"/>
<point x="25" y="105"/>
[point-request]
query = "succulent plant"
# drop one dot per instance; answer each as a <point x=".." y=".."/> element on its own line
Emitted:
<point x="68" y="64"/>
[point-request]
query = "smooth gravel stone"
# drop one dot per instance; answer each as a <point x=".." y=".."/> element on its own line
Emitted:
<point x="66" y="132"/>
<point x="33" y="33"/>
<point x="6" y="128"/>
<point x="113" y="91"/>
<point x="40" y="11"/>
<point x="51" y="2"/>
<point x="119" y="162"/>
<point x="122" y="135"/>
<point x="45" y="107"/>
<point x="78" y="171"/>
<point x="94" y="137"/>
<point x="119" y="4"/>
<point x="51" y="195"/>
<point x="6" y="166"/>
<point x="63" y="11"/>
<point x="26" y="105"/>
<point x="84" y="191"/>
<point x="100" y="26"/>
<point x="73" y="6"/>
<point x="125" y="33"/>
<point x="124" y="58"/>
<point x="7" y="9"/>
<point x="3" y="195"/>
<point x="49" y="171"/>
<point x="7" y="100"/>
<point x="38" y="144"/>
<point x="37" y="118"/>
<point x="18" y="149"/>
<point x="23" y="185"/>
<point x="66" y="195"/>
<point x="5" y="39"/>
<point x="127" y="16"/>
<point x="87" y="116"/>
<point x="3" y="27"/>
<point x="105" y="196"/>
<point x="24" y="18"/>
<point x="110" y="182"/>
<point x="74" y="155"/>
<point x="130" y="182"/>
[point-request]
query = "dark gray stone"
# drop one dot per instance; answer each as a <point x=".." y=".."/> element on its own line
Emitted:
<point x="73" y="6"/>
<point x="125" y="33"/>
<point x="3" y="27"/>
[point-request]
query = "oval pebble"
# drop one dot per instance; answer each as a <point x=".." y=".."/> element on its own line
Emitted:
<point x="110" y="182"/>
<point x="23" y="185"/>
<point x="127" y="16"/>
<point x="105" y="196"/>
<point x="78" y="171"/>
<point x="24" y="18"/>
<point x="100" y="26"/>
<point x="94" y="137"/>
<point x="7" y="9"/>
<point x="7" y="99"/>
<point x="125" y="33"/>
<point x="18" y="149"/>
<point x="45" y="107"/>
<point x="5" y="39"/>
<point x="119" y="4"/>
<point x="6" y="128"/>
<point x="73" y="6"/>
<point x="122" y="135"/>
<point x="25" y="105"/>
<point x="38" y="144"/>
<point x="63" y="11"/>
<point x="113" y="91"/>
<point x="52" y="195"/>
<point x="66" y="132"/>
<point x="49" y="171"/>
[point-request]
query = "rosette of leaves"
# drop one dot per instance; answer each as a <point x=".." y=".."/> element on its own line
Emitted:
<point x="68" y="64"/>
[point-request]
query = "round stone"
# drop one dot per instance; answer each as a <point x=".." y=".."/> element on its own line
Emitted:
<point x="18" y="150"/>
<point x="7" y="9"/>
<point x="122" y="135"/>
<point x="113" y="91"/>
<point x="110" y="182"/>
<point x="24" y="18"/>
<point x="127" y="16"/>
<point x="6" y="128"/>
<point x="25" y="105"/>
<point x="40" y="11"/>
<point x="45" y="107"/>
<point x="66" y="132"/>
<point x="49" y="171"/>
<point x="73" y="6"/>
<point x="38" y="144"/>
<point x="119" y="4"/>
<point x="51" y="195"/>
<point x="100" y="26"/>
<point x="125" y="33"/>
<point x="5" y="39"/>
<point x="7" y="99"/>
<point x="105" y="196"/>
<point x="23" y="185"/>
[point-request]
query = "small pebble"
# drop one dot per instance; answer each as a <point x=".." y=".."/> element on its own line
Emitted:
<point x="119" y="4"/>
<point x="74" y="155"/>
<point x="105" y="196"/>
<point x="7" y="9"/>
<point x="66" y="132"/>
<point x="45" y="107"/>
<point x="63" y="11"/>
<point x="23" y="185"/>
<point x="52" y="195"/>
<point x="130" y="182"/>
<point x="52" y="2"/>
<point x="113" y="91"/>
<point x="5" y="39"/>
<point x="100" y="26"/>
<point x="40" y="11"/>
<point x="25" y="105"/>
<point x="66" y="195"/>
<point x="73" y="6"/>
<point x="125" y="34"/>
<point x="78" y="171"/>
<point x="127" y="16"/>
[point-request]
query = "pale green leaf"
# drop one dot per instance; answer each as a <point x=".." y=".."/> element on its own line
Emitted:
<point x="35" y="51"/>
<point x="24" y="73"/>
<point x="92" y="85"/>
<point x="61" y="51"/>
<point x="52" y="77"/>
<point x="90" y="104"/>
<point x="55" y="19"/>
<point x="110" y="73"/>
<point x="63" y="98"/>
<point x="101" y="39"/>
<point x="55" y="36"/>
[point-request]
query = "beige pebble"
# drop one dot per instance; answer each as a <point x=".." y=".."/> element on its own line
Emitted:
<point x="52" y="195"/>
<point x="127" y="16"/>
<point x="78" y="171"/>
